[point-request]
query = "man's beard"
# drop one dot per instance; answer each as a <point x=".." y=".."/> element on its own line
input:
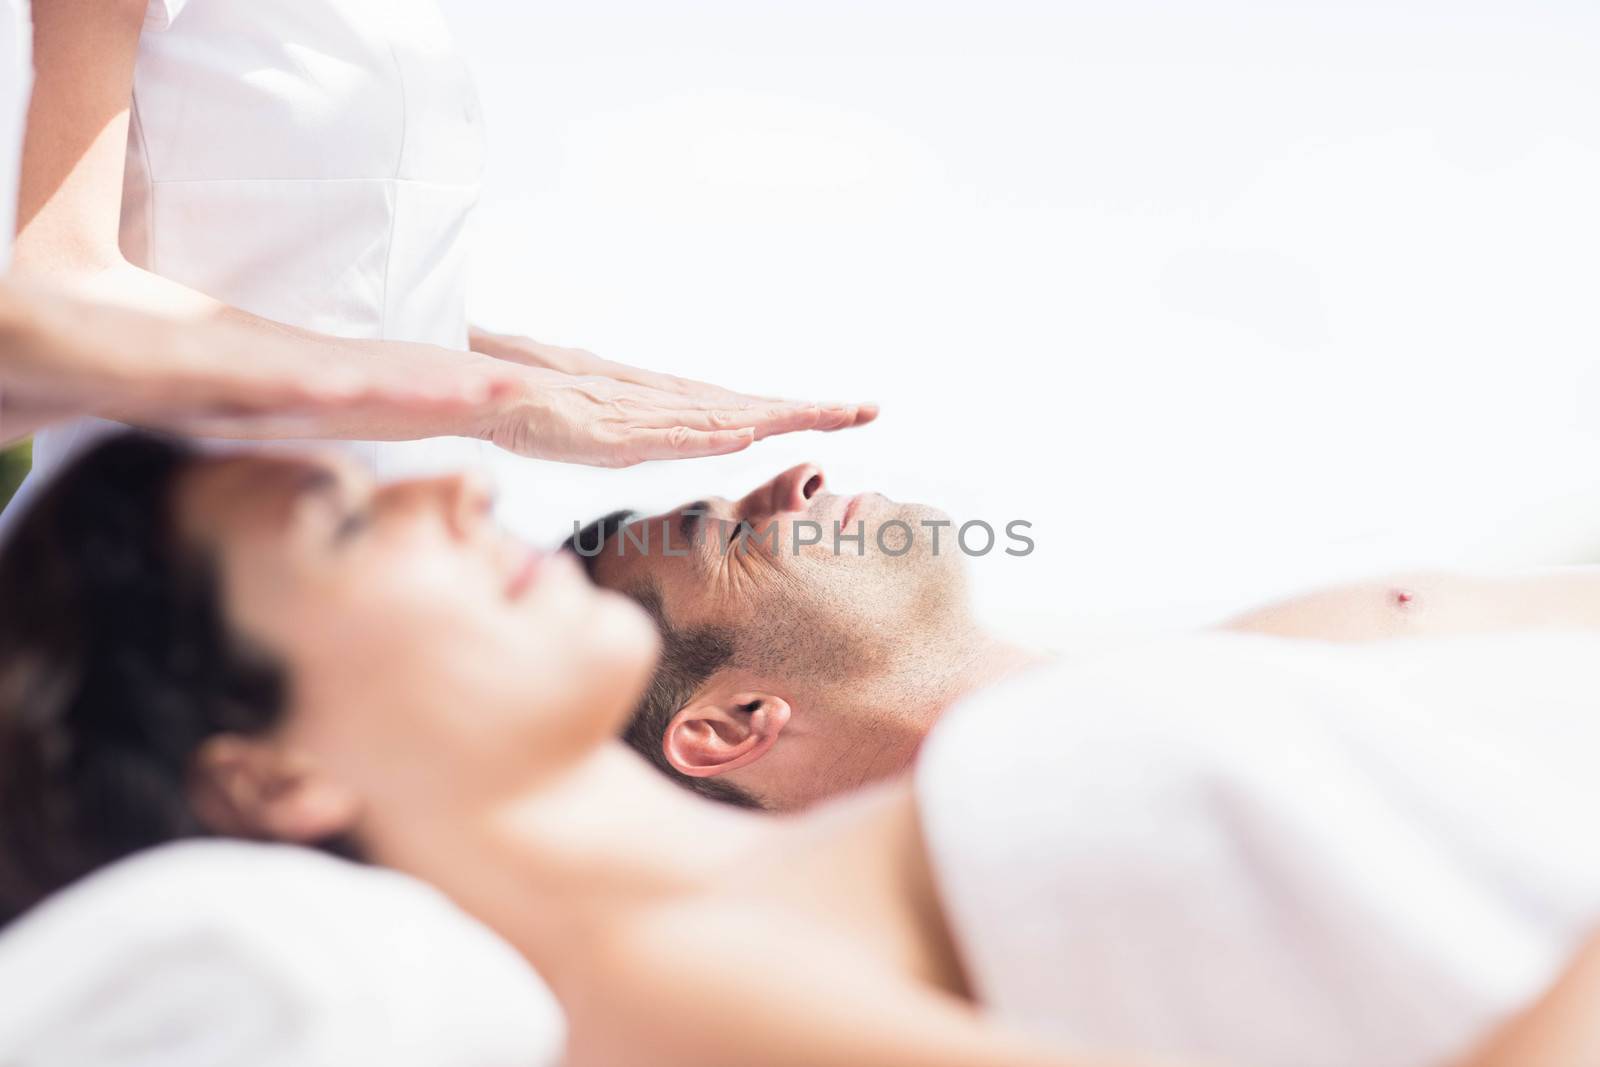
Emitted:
<point x="845" y="621"/>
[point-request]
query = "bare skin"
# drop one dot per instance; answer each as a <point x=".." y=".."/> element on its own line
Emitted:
<point x="659" y="931"/>
<point x="1561" y="1030"/>
<point x="1433" y="605"/>
<point x="61" y="357"/>
<point x="850" y="659"/>
<point x="398" y="606"/>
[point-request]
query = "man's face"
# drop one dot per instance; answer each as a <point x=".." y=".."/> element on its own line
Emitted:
<point x="812" y="584"/>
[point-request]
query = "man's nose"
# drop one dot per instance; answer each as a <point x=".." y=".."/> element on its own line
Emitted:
<point x="790" y="491"/>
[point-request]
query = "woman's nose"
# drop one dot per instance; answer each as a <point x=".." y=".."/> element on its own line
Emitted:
<point x="464" y="501"/>
<point x="793" y="490"/>
<point x="470" y="502"/>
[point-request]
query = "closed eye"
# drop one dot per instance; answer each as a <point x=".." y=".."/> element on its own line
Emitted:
<point x="689" y="522"/>
<point x="352" y="525"/>
<point x="343" y="509"/>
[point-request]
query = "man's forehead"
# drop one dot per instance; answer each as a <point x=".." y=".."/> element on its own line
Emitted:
<point x="620" y="562"/>
<point x="663" y="580"/>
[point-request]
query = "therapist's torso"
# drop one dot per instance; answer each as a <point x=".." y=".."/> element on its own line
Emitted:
<point x="314" y="162"/>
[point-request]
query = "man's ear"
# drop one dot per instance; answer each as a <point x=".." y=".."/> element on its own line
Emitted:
<point x="252" y="788"/>
<point x="715" y="734"/>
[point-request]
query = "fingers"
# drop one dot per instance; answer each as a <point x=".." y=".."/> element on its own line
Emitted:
<point x="702" y="405"/>
<point x="786" y="416"/>
<point x="700" y="434"/>
<point x="678" y="442"/>
<point x="765" y="420"/>
<point x="845" y="416"/>
<point x="780" y="420"/>
<point x="864" y="414"/>
<point x="768" y="419"/>
<point x="702" y="393"/>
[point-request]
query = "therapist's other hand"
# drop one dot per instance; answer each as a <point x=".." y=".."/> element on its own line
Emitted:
<point x="607" y="422"/>
<point x="782" y="416"/>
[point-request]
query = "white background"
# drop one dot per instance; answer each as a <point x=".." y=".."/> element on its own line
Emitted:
<point x="1227" y="299"/>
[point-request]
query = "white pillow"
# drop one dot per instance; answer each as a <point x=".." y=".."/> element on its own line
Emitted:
<point x="228" y="954"/>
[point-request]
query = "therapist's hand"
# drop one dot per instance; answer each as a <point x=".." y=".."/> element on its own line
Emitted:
<point x="606" y="422"/>
<point x="609" y="414"/>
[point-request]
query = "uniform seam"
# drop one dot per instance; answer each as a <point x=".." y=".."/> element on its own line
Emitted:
<point x="394" y="201"/>
<point x="137" y="119"/>
<point x="292" y="180"/>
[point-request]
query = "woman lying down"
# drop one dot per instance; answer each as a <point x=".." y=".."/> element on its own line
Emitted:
<point x="270" y="648"/>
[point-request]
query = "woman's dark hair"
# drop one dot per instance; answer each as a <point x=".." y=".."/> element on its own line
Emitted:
<point x="116" y="662"/>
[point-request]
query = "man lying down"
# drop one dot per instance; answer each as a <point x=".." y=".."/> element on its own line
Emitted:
<point x="1357" y="846"/>
<point x="789" y="675"/>
<point x="1231" y="849"/>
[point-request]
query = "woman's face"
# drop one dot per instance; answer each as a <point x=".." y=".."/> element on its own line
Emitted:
<point x="427" y="650"/>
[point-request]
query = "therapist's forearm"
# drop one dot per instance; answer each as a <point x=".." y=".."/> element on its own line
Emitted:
<point x="20" y="344"/>
<point x="17" y="422"/>
<point x="14" y="426"/>
<point x="1561" y="1030"/>
<point x="193" y="319"/>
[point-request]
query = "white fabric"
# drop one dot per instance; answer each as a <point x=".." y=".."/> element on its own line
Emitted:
<point x="311" y="161"/>
<point x="16" y="77"/>
<point x="1265" y="852"/>
<point x="160" y="13"/>
<point x="225" y="954"/>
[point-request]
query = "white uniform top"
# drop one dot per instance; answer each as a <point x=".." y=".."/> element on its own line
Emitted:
<point x="16" y="74"/>
<point x="1242" y="850"/>
<point x="310" y="161"/>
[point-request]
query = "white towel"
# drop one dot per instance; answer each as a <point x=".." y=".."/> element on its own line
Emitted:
<point x="1266" y="852"/>
<point x="226" y="954"/>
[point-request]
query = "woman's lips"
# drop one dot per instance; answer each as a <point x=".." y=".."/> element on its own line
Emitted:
<point x="525" y="573"/>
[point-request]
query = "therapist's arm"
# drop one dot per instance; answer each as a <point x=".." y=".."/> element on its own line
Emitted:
<point x="1561" y="1030"/>
<point x="69" y="219"/>
<point x="61" y="357"/>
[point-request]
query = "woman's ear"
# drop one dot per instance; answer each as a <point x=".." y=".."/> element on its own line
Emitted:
<point x="716" y="734"/>
<point x="250" y="788"/>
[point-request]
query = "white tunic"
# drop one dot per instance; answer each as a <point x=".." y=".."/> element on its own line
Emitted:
<point x="1240" y="850"/>
<point x="314" y="162"/>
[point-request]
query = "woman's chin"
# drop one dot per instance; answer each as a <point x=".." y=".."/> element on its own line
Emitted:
<point x="629" y="625"/>
<point x="631" y="641"/>
<point x="619" y="658"/>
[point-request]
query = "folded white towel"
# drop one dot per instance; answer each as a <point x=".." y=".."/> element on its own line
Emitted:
<point x="226" y="954"/>
<point x="1274" y="853"/>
